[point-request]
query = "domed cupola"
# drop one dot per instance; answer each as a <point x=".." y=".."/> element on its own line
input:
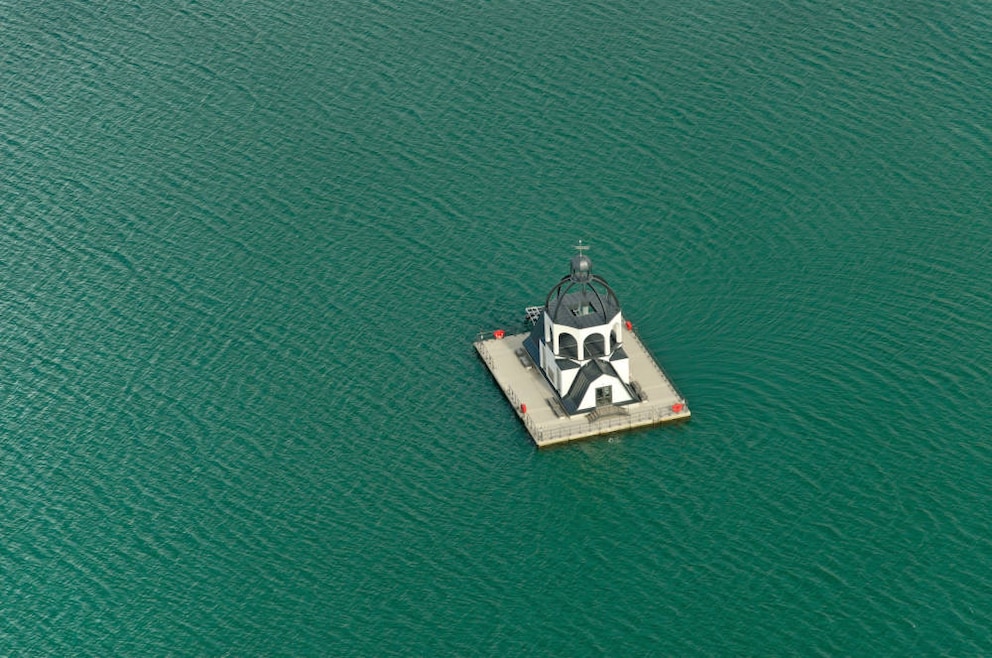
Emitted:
<point x="578" y="341"/>
<point x="581" y="299"/>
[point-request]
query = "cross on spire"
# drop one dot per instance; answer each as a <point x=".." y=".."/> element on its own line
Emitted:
<point x="580" y="247"/>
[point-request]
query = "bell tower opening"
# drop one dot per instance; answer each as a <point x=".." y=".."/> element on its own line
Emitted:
<point x="594" y="346"/>
<point x="568" y="347"/>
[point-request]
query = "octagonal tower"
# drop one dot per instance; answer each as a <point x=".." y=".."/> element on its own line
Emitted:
<point x="578" y="341"/>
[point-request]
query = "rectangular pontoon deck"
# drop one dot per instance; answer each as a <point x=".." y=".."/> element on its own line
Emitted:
<point x="537" y="404"/>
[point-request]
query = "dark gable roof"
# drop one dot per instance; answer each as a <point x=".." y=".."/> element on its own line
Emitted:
<point x="588" y="373"/>
<point x="619" y="354"/>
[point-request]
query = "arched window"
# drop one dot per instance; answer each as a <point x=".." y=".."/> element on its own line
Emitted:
<point x="567" y="346"/>
<point x="594" y="346"/>
<point x="614" y="338"/>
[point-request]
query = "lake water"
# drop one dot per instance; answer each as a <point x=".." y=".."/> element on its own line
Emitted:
<point x="246" y="246"/>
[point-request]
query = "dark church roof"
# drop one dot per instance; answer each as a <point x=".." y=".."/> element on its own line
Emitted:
<point x="587" y="374"/>
<point x="581" y="299"/>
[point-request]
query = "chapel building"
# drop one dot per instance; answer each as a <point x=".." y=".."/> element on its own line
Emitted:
<point x="577" y="341"/>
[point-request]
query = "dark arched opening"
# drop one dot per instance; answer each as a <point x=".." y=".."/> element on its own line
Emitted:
<point x="567" y="346"/>
<point x="594" y="346"/>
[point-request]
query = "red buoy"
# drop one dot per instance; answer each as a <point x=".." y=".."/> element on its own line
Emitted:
<point x="523" y="408"/>
<point x="677" y="407"/>
<point x="499" y="333"/>
<point x="629" y="325"/>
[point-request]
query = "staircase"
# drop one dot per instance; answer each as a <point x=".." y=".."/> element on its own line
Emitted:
<point x="606" y="410"/>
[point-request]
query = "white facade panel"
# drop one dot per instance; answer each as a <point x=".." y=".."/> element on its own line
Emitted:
<point x="580" y="335"/>
<point x="567" y="377"/>
<point x="622" y="366"/>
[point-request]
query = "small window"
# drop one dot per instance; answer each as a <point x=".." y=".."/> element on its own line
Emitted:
<point x="604" y="395"/>
<point x="584" y="309"/>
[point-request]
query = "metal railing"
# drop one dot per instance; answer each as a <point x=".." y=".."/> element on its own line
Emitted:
<point x="509" y="392"/>
<point x="605" y="424"/>
<point x="486" y="356"/>
<point x="528" y="420"/>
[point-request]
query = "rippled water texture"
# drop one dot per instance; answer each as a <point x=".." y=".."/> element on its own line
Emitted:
<point x="245" y="248"/>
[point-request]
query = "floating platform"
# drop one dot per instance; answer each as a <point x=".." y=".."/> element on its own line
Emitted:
<point x="536" y="403"/>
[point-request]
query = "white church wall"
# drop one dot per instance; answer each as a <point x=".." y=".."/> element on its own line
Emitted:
<point x="562" y="380"/>
<point x="567" y="378"/>
<point x="580" y="335"/>
<point x="622" y="366"/>
<point x="548" y="362"/>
